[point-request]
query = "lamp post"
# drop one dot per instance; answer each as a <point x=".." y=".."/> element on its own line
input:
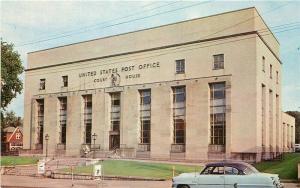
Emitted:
<point x="46" y="138"/>
<point x="94" y="139"/>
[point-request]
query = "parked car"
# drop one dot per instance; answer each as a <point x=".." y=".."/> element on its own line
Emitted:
<point x="297" y="147"/>
<point x="227" y="175"/>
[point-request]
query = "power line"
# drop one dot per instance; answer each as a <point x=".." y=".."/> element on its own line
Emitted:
<point x="120" y="23"/>
<point x="89" y="27"/>
<point x="96" y="64"/>
<point x="278" y="27"/>
<point x="175" y="49"/>
<point x="86" y="83"/>
<point x="165" y="13"/>
<point x="172" y="52"/>
<point x="260" y="31"/>
<point x="253" y="17"/>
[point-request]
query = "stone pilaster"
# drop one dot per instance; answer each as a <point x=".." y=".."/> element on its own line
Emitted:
<point x="197" y="120"/>
<point x="130" y="118"/>
<point x="74" y="124"/>
<point x="161" y="126"/>
<point x="99" y="124"/>
<point x="50" y="124"/>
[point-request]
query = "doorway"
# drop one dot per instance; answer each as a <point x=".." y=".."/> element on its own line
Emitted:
<point x="114" y="142"/>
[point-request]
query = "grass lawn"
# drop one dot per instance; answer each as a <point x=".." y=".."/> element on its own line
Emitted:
<point x="139" y="169"/>
<point x="287" y="169"/>
<point x="17" y="160"/>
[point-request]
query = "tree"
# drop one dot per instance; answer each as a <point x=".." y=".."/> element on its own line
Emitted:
<point x="11" y="68"/>
<point x="11" y="120"/>
<point x="296" y="115"/>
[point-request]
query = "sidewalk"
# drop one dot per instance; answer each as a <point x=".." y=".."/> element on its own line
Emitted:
<point x="39" y="182"/>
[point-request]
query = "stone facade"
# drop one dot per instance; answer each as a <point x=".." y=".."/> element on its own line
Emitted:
<point x="235" y="49"/>
<point x="288" y="133"/>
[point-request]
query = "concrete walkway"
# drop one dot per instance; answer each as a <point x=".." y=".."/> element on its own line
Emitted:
<point x="39" y="182"/>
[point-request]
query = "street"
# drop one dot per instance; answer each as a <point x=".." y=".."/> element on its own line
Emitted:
<point x="25" y="181"/>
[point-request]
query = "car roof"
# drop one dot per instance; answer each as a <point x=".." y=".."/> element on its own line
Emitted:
<point x="238" y="165"/>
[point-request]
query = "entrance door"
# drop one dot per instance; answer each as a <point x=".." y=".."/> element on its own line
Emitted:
<point x="114" y="142"/>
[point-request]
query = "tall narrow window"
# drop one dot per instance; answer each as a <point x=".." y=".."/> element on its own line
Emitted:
<point x="218" y="61"/>
<point x="115" y="111"/>
<point x="65" y="81"/>
<point x="277" y="122"/>
<point x="277" y="77"/>
<point x="271" y="71"/>
<point x="115" y="117"/>
<point x="87" y="99"/>
<point x="217" y="114"/>
<point x="63" y="119"/>
<point x="284" y="135"/>
<point x="263" y="114"/>
<point x="271" y="128"/>
<point x="263" y="63"/>
<point x="40" y="114"/>
<point x="179" y="115"/>
<point x="288" y="136"/>
<point x="180" y="66"/>
<point x="42" y="84"/>
<point x="292" y="137"/>
<point x="145" y="116"/>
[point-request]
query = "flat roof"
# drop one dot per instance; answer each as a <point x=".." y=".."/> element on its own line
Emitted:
<point x="155" y="28"/>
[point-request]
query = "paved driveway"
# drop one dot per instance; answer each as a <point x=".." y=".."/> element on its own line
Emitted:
<point x="25" y="181"/>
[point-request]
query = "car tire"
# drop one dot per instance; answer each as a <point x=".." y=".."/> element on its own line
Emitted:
<point x="183" y="186"/>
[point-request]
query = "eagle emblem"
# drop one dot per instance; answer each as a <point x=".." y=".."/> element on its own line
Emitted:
<point x="115" y="79"/>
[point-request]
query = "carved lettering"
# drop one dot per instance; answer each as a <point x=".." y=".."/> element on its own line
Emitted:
<point x="86" y="74"/>
<point x="130" y="76"/>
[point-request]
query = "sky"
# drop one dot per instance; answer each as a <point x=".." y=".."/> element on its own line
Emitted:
<point x="36" y="25"/>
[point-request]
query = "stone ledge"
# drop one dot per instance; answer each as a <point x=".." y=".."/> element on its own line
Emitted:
<point x="90" y="177"/>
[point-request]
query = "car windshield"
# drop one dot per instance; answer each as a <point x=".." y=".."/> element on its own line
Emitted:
<point x="214" y="170"/>
<point x="207" y="170"/>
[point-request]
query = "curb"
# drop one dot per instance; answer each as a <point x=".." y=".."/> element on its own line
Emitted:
<point x="289" y="181"/>
<point x="10" y="166"/>
<point x="90" y="177"/>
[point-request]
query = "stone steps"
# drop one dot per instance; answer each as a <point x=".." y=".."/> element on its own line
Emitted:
<point x="143" y="155"/>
